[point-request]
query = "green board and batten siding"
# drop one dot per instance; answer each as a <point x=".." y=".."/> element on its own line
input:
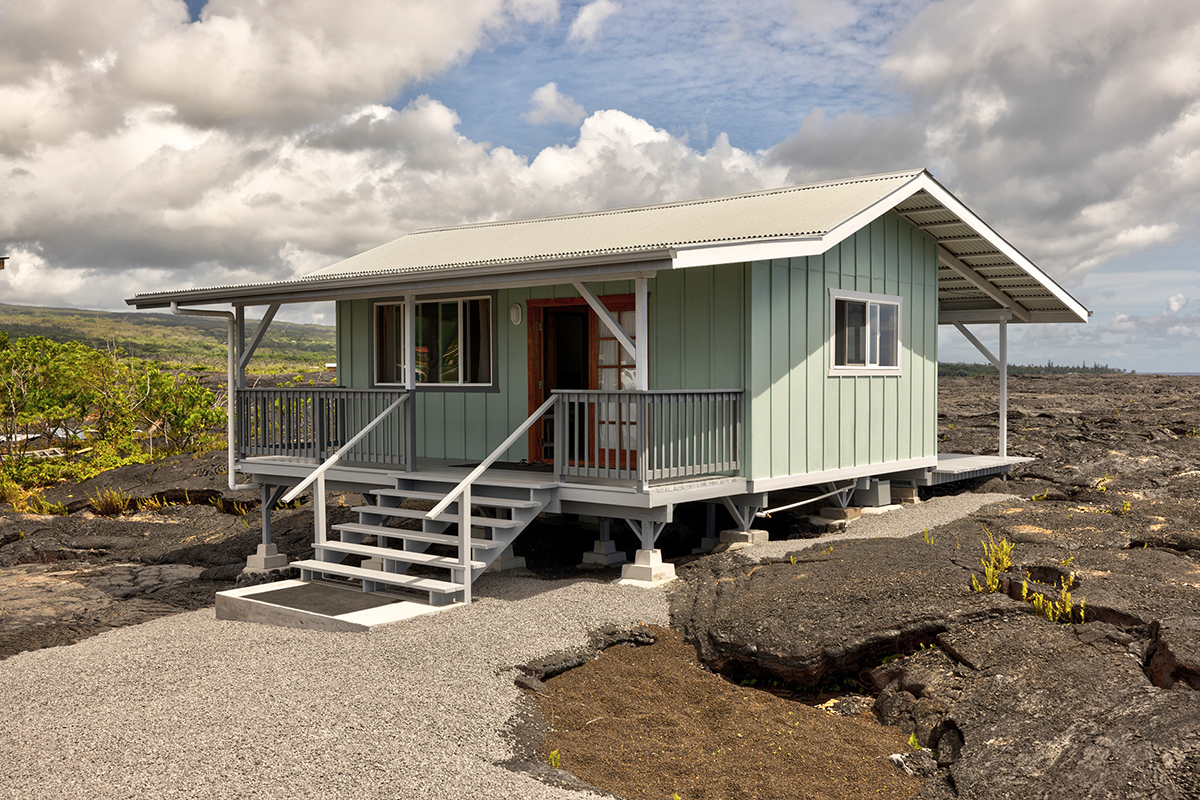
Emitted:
<point x="802" y="421"/>
<point x="762" y="326"/>
<point x="696" y="342"/>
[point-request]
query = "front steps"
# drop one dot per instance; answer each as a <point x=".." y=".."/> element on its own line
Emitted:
<point x="500" y="511"/>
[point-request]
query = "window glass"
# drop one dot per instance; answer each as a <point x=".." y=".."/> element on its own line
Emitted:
<point x="866" y="333"/>
<point x="889" y="335"/>
<point x="453" y="342"/>
<point x="851" y="333"/>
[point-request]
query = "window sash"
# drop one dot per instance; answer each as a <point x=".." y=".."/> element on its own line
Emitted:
<point x="453" y="342"/>
<point x="866" y="334"/>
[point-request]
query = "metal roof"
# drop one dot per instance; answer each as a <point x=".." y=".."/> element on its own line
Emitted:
<point x="980" y="275"/>
<point x="789" y="213"/>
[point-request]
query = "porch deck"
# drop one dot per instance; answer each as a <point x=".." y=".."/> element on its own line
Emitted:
<point x="575" y="494"/>
<point x="960" y="467"/>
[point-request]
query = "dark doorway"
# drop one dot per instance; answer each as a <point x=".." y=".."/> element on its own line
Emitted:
<point x="566" y="362"/>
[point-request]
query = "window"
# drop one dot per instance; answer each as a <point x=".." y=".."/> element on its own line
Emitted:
<point x="453" y="347"/>
<point x="866" y="333"/>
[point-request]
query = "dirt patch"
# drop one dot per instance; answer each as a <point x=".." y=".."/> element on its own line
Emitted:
<point x="649" y="721"/>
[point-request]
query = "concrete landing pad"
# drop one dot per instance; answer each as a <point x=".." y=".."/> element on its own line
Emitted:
<point x="318" y="606"/>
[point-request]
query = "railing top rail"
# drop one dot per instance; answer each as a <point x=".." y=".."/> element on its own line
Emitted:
<point x="491" y="459"/>
<point x="633" y="392"/>
<point x="345" y="448"/>
<point x="327" y="389"/>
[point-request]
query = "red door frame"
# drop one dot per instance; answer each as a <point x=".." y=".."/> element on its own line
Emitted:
<point x="535" y="313"/>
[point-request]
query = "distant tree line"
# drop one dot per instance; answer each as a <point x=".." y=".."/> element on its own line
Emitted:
<point x="1049" y="368"/>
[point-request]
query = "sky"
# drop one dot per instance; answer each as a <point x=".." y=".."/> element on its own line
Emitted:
<point x="157" y="144"/>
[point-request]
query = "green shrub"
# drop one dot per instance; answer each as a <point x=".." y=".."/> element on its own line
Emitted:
<point x="103" y="408"/>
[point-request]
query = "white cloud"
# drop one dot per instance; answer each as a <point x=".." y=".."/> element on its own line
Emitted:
<point x="76" y="64"/>
<point x="823" y="16"/>
<point x="591" y="17"/>
<point x="547" y="104"/>
<point x="1176" y="302"/>
<point x="1077" y="136"/>
<point x="183" y="207"/>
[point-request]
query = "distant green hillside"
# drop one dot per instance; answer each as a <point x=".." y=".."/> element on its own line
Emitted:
<point x="177" y="342"/>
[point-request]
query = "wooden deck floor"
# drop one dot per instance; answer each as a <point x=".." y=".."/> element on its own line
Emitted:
<point x="960" y="467"/>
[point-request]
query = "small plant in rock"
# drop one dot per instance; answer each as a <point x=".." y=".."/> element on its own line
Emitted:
<point x="35" y="503"/>
<point x="111" y="502"/>
<point x="997" y="559"/>
<point x="555" y="760"/>
<point x="153" y="503"/>
<point x="1124" y="509"/>
<point x="1060" y="610"/>
<point x="1037" y="498"/>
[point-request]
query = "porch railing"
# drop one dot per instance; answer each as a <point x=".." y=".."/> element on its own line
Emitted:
<point x="316" y="423"/>
<point x="648" y="436"/>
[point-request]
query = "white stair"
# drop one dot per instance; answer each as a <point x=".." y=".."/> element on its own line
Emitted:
<point x="499" y="515"/>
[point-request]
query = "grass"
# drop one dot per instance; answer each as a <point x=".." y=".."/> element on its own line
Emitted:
<point x="35" y="503"/>
<point x="997" y="559"/>
<point x="194" y="343"/>
<point x="111" y="502"/>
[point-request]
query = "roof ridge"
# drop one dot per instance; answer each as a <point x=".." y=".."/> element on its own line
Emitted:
<point x="674" y="203"/>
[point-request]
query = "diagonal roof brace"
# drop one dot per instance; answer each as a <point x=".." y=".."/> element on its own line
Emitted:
<point x="982" y="284"/>
<point x="606" y="317"/>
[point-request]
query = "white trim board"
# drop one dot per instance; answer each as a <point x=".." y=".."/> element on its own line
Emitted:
<point x="845" y="473"/>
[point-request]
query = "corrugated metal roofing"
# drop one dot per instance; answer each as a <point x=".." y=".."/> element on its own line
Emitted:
<point x="978" y="270"/>
<point x="794" y="212"/>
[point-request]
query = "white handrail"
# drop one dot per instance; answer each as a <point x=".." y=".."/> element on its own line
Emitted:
<point x="321" y="470"/>
<point x="487" y="462"/>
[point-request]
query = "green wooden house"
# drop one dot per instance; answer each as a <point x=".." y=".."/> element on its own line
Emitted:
<point x="620" y="363"/>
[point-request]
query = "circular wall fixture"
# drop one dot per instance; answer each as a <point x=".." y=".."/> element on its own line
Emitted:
<point x="514" y="314"/>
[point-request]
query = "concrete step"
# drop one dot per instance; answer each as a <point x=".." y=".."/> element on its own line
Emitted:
<point x="482" y="501"/>
<point x="392" y="554"/>
<point x="410" y="513"/>
<point x="416" y="536"/>
<point x="431" y="585"/>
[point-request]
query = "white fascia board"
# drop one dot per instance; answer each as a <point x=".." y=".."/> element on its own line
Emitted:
<point x="744" y="252"/>
<point x="799" y="247"/>
<point x="953" y="204"/>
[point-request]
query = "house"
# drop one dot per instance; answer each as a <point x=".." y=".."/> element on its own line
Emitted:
<point x="620" y="363"/>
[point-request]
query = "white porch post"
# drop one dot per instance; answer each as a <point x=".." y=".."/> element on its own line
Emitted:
<point x="1003" y="388"/>
<point x="641" y="377"/>
<point x="410" y="382"/>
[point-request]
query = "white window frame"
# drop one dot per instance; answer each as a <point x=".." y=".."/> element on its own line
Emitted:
<point x="870" y="298"/>
<point x="462" y="300"/>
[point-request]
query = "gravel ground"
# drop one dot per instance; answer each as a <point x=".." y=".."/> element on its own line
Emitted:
<point x="189" y="706"/>
<point x="905" y="521"/>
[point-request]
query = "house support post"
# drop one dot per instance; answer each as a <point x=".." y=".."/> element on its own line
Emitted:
<point x="648" y="568"/>
<point x="230" y="380"/>
<point x="268" y="556"/>
<point x="710" y="541"/>
<point x="1001" y="364"/>
<point x="1003" y="367"/>
<point x="604" y="551"/>
<point x="743" y="516"/>
<point x="410" y="382"/>
<point x="641" y="336"/>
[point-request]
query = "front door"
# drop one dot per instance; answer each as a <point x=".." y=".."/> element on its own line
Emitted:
<point x="570" y="349"/>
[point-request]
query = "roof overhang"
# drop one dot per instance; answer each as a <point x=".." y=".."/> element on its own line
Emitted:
<point x="530" y="273"/>
<point x="981" y="277"/>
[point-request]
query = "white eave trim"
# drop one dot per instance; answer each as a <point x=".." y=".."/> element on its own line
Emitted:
<point x="743" y="252"/>
<point x="952" y="204"/>
<point x="800" y="247"/>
